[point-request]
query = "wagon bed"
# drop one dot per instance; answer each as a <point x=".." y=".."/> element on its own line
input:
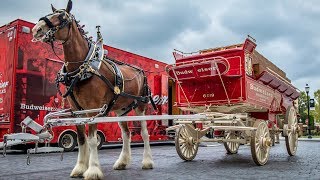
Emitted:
<point x="224" y="81"/>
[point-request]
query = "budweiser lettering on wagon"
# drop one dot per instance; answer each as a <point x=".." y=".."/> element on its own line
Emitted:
<point x="184" y="72"/>
<point x="260" y="90"/>
<point x="202" y="69"/>
<point x="259" y="93"/>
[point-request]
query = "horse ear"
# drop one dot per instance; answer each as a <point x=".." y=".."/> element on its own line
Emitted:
<point x="69" y="6"/>
<point x="53" y="9"/>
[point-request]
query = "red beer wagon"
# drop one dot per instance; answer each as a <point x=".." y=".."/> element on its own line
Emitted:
<point x="244" y="102"/>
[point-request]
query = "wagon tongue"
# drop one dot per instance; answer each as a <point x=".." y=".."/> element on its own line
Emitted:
<point x="23" y="138"/>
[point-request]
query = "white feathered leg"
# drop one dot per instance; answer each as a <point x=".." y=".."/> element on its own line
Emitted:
<point x="83" y="154"/>
<point x="147" y="162"/>
<point x="94" y="170"/>
<point x="125" y="155"/>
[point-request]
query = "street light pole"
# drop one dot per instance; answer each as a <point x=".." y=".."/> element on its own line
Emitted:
<point x="308" y="104"/>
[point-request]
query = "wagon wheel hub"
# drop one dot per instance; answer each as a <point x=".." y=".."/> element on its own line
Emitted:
<point x="265" y="142"/>
<point x="190" y="141"/>
<point x="294" y="128"/>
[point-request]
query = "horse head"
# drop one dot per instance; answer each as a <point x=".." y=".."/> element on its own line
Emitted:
<point x="54" y="26"/>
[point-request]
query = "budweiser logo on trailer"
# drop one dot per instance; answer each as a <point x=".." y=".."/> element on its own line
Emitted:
<point x="3" y="86"/>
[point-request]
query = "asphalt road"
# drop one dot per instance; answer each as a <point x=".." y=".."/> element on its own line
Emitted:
<point x="211" y="163"/>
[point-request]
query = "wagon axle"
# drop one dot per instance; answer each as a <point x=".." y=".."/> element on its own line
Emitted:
<point x="265" y="142"/>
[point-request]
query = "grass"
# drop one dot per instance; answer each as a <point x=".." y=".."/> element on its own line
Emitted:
<point x="312" y="136"/>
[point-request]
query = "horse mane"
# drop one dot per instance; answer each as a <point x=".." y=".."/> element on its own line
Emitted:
<point x="81" y="30"/>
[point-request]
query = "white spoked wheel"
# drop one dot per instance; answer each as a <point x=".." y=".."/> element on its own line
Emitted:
<point x="260" y="143"/>
<point x="292" y="134"/>
<point x="231" y="147"/>
<point x="186" y="145"/>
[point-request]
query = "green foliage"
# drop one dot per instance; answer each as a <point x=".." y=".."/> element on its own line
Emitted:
<point x="317" y="106"/>
<point x="303" y="107"/>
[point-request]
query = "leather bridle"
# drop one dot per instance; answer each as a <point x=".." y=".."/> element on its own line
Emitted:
<point x="49" y="37"/>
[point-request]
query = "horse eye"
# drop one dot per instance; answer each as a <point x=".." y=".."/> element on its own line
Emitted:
<point x="39" y="29"/>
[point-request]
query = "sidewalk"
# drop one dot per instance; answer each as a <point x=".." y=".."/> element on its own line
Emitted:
<point x="306" y="139"/>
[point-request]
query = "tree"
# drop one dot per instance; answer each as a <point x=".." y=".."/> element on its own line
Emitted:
<point x="317" y="106"/>
<point x="302" y="106"/>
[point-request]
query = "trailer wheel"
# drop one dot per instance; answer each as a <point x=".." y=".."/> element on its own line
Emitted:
<point x="101" y="139"/>
<point x="260" y="143"/>
<point x="68" y="141"/>
<point x="186" y="145"/>
<point x="231" y="147"/>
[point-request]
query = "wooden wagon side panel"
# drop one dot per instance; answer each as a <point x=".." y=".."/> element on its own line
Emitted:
<point x="201" y="84"/>
<point x="262" y="96"/>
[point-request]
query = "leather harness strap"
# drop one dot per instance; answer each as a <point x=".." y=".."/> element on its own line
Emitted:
<point x="72" y="78"/>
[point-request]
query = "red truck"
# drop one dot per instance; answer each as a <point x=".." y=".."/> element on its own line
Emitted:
<point x="27" y="87"/>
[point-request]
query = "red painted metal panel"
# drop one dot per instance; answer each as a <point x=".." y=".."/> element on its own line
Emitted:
<point x="7" y="58"/>
<point x="249" y="46"/>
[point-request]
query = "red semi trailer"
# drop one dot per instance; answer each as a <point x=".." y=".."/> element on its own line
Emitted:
<point x="27" y="87"/>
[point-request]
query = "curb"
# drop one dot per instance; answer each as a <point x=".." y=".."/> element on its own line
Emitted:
<point x="304" y="139"/>
<point x="307" y="139"/>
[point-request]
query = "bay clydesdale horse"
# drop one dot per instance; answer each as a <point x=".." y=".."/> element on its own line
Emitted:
<point x="118" y="87"/>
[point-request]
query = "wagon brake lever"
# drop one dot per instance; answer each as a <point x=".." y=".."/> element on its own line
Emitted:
<point x="28" y="157"/>
<point x="61" y="157"/>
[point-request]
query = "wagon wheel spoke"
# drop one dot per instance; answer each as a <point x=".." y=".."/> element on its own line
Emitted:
<point x="184" y="149"/>
<point x="194" y="149"/>
<point x="184" y="134"/>
<point x="188" y="152"/>
<point x="181" y="141"/>
<point x="183" y="146"/>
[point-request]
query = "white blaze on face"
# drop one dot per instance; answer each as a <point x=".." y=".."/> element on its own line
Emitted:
<point x="39" y="30"/>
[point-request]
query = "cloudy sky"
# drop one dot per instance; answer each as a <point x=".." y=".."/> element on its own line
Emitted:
<point x="287" y="31"/>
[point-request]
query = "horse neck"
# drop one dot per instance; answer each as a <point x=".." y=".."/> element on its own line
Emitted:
<point x="75" y="48"/>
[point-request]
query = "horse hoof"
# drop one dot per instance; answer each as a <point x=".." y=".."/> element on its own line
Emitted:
<point x="119" y="166"/>
<point x="147" y="165"/>
<point x="93" y="173"/>
<point x="78" y="171"/>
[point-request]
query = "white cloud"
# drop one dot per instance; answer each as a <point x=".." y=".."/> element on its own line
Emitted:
<point x="286" y="31"/>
